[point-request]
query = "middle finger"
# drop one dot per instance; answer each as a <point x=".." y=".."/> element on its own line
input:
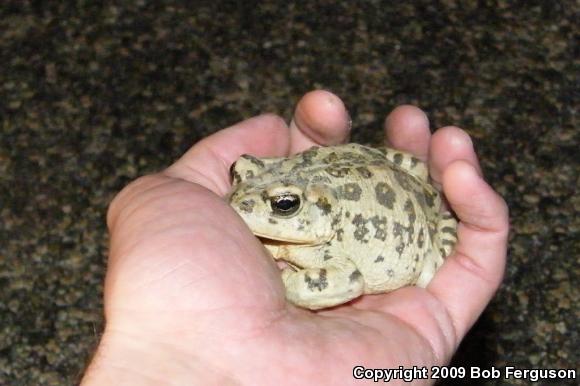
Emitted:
<point x="320" y="119"/>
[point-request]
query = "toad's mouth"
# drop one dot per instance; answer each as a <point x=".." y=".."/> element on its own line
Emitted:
<point x="280" y="241"/>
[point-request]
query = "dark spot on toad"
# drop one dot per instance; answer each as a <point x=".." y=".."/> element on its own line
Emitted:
<point x="385" y="195"/>
<point x="429" y="198"/>
<point x="410" y="209"/>
<point x="336" y="220"/>
<point x="320" y="180"/>
<point x="272" y="221"/>
<point x="319" y="284"/>
<point x="380" y="225"/>
<point x="421" y="199"/>
<point x="381" y="150"/>
<point x="337" y="171"/>
<point x="323" y="204"/>
<point x="421" y="238"/>
<point x="390" y="272"/>
<point x="379" y="259"/>
<point x="398" y="158"/>
<point x="331" y="158"/>
<point x="351" y="156"/>
<point x="360" y="228"/>
<point x="350" y="191"/>
<point x="432" y="231"/>
<point x="236" y="179"/>
<point x="364" y="172"/>
<point x="254" y="160"/>
<point x="450" y="230"/>
<point x="247" y="206"/>
<point x="339" y="234"/>
<point x="311" y="152"/>
<point x="355" y="276"/>
<point x="404" y="180"/>
<point x="400" y="248"/>
<point x="398" y="229"/>
<point x="307" y="159"/>
<point x="234" y="175"/>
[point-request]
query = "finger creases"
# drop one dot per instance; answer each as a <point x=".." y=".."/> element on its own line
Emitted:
<point x="472" y="273"/>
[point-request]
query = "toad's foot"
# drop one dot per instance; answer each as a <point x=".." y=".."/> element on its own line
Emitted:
<point x="316" y="288"/>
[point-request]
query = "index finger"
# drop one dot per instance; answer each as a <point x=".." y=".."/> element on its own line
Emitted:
<point x="472" y="273"/>
<point x="208" y="161"/>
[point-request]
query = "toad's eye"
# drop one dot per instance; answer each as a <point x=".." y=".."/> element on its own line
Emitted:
<point x="285" y="204"/>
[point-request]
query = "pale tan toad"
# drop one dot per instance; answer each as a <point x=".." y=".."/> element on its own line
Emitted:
<point x="348" y="220"/>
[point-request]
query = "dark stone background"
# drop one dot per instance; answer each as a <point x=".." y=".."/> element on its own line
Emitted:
<point x="92" y="96"/>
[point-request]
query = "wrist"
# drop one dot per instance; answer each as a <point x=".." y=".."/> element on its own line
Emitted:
<point x="123" y="359"/>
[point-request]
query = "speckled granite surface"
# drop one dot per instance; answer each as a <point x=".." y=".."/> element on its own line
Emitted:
<point x="93" y="96"/>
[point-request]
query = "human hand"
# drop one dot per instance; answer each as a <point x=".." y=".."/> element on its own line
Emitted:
<point x="192" y="297"/>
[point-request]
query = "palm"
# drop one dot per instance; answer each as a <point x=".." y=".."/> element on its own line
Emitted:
<point x="213" y="266"/>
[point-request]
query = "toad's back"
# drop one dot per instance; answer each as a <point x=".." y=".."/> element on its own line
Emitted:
<point x="370" y="211"/>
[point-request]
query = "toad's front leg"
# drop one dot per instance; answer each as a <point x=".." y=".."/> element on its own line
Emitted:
<point x="317" y="288"/>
